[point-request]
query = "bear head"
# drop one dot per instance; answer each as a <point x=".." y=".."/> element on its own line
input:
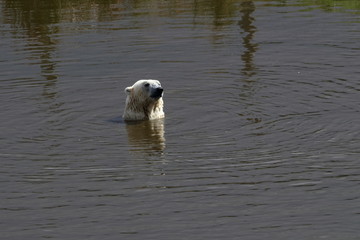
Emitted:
<point x="146" y="90"/>
<point x="144" y="100"/>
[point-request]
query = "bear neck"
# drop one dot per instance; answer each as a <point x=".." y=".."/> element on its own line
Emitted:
<point x="146" y="110"/>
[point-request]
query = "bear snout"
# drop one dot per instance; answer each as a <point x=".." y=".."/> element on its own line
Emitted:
<point x="157" y="93"/>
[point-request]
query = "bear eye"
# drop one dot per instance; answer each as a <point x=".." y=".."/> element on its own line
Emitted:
<point x="146" y="84"/>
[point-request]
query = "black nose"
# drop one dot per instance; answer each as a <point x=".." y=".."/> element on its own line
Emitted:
<point x="157" y="92"/>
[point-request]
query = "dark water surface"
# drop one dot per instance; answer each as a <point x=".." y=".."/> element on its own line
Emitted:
<point x="261" y="137"/>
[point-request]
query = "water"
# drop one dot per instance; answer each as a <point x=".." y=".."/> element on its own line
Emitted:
<point x="261" y="135"/>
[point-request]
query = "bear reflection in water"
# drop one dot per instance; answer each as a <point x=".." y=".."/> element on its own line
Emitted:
<point x="146" y="136"/>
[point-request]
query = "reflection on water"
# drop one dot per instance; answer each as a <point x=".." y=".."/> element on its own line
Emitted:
<point x="147" y="136"/>
<point x="248" y="28"/>
<point x="36" y="17"/>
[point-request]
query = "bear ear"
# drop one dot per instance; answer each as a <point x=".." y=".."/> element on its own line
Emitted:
<point x="128" y="90"/>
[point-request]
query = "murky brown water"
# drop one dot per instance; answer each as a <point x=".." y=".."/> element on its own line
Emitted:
<point x="261" y="136"/>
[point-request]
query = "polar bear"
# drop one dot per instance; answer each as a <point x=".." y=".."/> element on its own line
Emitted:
<point x="144" y="101"/>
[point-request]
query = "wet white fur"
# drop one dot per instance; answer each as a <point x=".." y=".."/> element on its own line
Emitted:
<point x="139" y="105"/>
